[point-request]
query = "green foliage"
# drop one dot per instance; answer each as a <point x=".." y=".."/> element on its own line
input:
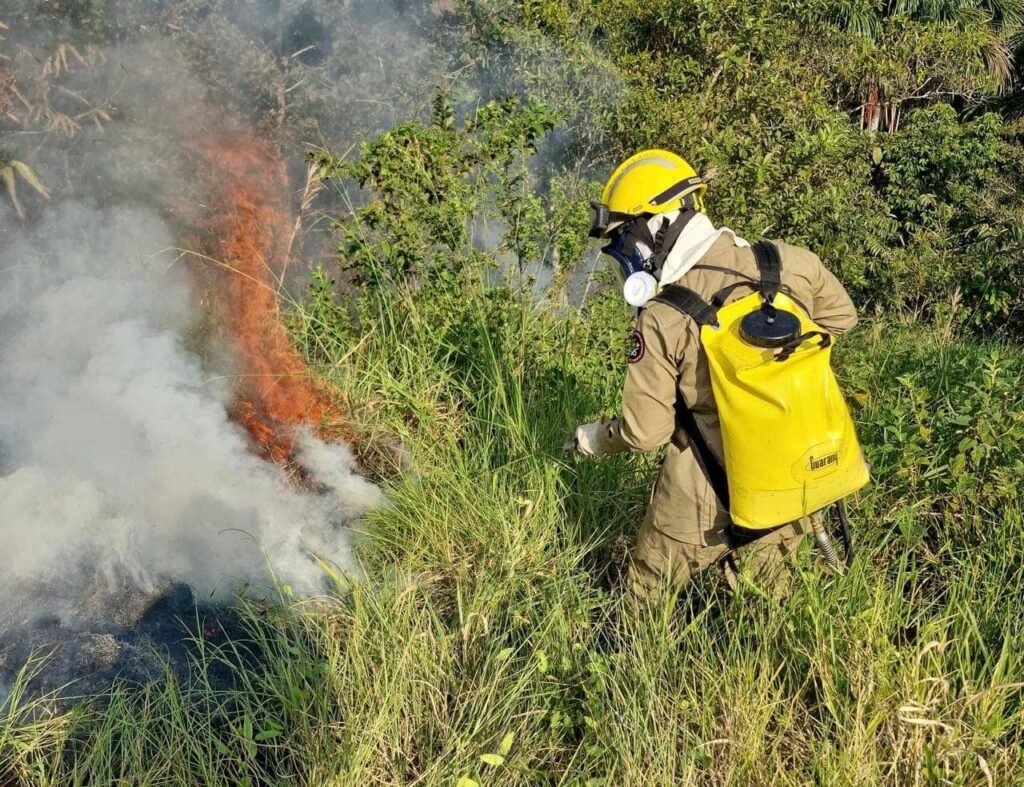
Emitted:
<point x="942" y="434"/>
<point x="986" y="28"/>
<point x="954" y="188"/>
<point x="864" y="16"/>
<point x="805" y="143"/>
<point x="432" y="182"/>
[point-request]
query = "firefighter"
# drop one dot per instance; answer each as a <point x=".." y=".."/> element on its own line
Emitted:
<point x="652" y="214"/>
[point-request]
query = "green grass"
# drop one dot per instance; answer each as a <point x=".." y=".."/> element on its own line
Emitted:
<point x="488" y="639"/>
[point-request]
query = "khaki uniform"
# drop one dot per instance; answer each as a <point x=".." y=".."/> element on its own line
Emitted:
<point x="682" y="532"/>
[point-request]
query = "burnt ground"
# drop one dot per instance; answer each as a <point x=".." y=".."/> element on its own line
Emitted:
<point x="133" y="636"/>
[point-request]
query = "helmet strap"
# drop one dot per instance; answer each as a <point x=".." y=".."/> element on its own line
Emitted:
<point x="660" y="243"/>
<point x="637" y="230"/>
<point x="667" y="235"/>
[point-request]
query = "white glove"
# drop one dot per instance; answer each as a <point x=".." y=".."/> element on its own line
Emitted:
<point x="584" y="440"/>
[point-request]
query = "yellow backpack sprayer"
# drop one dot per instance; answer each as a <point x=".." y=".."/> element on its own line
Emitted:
<point x="789" y="442"/>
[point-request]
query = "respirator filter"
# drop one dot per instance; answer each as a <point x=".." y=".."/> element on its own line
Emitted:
<point x="639" y="288"/>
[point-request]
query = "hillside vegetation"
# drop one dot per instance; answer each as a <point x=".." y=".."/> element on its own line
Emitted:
<point x="487" y="642"/>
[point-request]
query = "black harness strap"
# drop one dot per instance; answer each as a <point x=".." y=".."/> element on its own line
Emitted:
<point x="689" y="303"/>
<point x="713" y="469"/>
<point x="769" y="265"/>
<point x="667" y="236"/>
<point x="674" y="230"/>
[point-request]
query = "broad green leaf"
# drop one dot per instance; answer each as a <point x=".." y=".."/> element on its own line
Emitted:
<point x="492" y="759"/>
<point x="271" y="731"/>
<point x="506" y="744"/>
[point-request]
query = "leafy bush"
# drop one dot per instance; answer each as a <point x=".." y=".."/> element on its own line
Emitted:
<point x="954" y="188"/>
<point x="444" y="194"/>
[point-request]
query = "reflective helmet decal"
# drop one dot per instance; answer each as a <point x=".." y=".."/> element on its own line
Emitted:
<point x="655" y="160"/>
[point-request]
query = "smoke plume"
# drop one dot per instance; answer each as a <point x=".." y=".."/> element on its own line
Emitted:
<point x="118" y="450"/>
<point x="152" y="412"/>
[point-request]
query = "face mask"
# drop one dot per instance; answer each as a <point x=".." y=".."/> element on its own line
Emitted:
<point x="633" y="256"/>
<point x="640" y="253"/>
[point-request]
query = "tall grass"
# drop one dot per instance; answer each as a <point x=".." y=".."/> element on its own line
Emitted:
<point x="488" y="641"/>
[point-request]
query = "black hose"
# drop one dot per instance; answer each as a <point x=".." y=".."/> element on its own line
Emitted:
<point x="844" y="526"/>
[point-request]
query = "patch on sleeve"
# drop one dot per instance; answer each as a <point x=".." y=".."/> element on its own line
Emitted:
<point x="636" y="347"/>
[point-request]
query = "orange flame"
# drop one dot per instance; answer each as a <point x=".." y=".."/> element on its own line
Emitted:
<point x="248" y="222"/>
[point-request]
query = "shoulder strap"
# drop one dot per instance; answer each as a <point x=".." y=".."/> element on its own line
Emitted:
<point x="713" y="469"/>
<point x="667" y="235"/>
<point x="689" y="303"/>
<point x="769" y="265"/>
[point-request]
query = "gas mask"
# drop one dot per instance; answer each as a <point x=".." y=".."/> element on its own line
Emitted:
<point x="640" y="254"/>
<point x="636" y="271"/>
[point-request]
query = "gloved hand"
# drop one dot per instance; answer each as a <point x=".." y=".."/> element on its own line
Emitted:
<point x="584" y="440"/>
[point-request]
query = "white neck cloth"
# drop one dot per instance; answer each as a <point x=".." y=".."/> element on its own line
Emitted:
<point x="693" y="243"/>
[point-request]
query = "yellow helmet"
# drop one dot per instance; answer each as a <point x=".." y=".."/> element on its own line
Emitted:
<point x="652" y="181"/>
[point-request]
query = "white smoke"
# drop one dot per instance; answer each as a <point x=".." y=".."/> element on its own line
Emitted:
<point x="119" y="467"/>
<point x="116" y="451"/>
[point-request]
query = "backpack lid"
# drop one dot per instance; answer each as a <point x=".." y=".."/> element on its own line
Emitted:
<point x="769" y="327"/>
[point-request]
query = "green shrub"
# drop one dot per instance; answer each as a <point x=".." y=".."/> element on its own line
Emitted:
<point x="431" y="184"/>
<point x="954" y="188"/>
